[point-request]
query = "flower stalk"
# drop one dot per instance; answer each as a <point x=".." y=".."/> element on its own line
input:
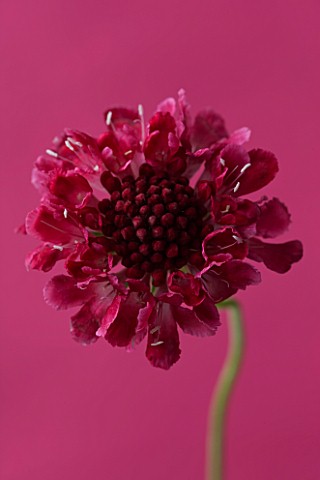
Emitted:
<point x="222" y="392"/>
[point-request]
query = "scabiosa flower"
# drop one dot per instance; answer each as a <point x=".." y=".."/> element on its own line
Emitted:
<point x="152" y="225"/>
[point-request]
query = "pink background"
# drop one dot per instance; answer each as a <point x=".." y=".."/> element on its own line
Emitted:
<point x="98" y="412"/>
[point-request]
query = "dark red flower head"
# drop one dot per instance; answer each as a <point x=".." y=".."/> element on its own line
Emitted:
<point x="149" y="243"/>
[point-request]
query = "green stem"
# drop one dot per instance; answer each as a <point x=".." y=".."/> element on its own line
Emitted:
<point x="221" y="394"/>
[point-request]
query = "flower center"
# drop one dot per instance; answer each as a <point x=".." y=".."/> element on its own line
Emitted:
<point x="156" y="222"/>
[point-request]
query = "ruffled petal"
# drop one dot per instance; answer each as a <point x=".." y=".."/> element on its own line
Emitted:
<point x="202" y="321"/>
<point x="167" y="105"/>
<point x="208" y="128"/>
<point x="61" y="292"/>
<point x="45" y="257"/>
<point x="263" y="168"/>
<point x="80" y="152"/>
<point x="216" y="286"/>
<point x="222" y="245"/>
<point x="234" y="158"/>
<point x="163" y="338"/>
<point x="273" y="220"/>
<point x="157" y="142"/>
<point x="208" y="314"/>
<point x="222" y="282"/>
<point x="277" y="257"/>
<point x="142" y="323"/>
<point x="84" y="324"/>
<point x="123" y="328"/>
<point x="187" y="286"/>
<point x="72" y="189"/>
<point x="240" y="136"/>
<point x="240" y="274"/>
<point x="109" y="316"/>
<point x="52" y="227"/>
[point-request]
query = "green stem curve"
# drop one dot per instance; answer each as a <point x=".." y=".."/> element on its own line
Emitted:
<point x="222" y="392"/>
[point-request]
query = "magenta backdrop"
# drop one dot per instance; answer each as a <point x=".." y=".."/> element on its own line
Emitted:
<point x="98" y="412"/>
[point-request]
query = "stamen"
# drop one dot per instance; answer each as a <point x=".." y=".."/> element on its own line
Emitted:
<point x="238" y="239"/>
<point x="226" y="209"/>
<point x="58" y="247"/>
<point x="74" y="142"/>
<point x="52" y="153"/>
<point x="229" y="173"/>
<point x="143" y="132"/>
<point x="65" y="213"/>
<point x="223" y="163"/>
<point x="244" y="168"/>
<point x="127" y="152"/>
<point x="96" y="168"/>
<point x="155" y="344"/>
<point x="68" y="145"/>
<point x="140" y="110"/>
<point x="236" y="188"/>
<point x="108" y="119"/>
<point x="155" y="329"/>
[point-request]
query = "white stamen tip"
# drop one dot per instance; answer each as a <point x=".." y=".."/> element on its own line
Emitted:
<point x="155" y="329"/>
<point x="237" y="239"/>
<point x="244" y="168"/>
<point x="68" y="145"/>
<point x="74" y="142"/>
<point x="222" y="161"/>
<point x="236" y="188"/>
<point x="96" y="168"/>
<point x="128" y="152"/>
<point x="226" y="210"/>
<point x="58" y="247"/>
<point x="52" y="153"/>
<point x="140" y="110"/>
<point x="155" y="344"/>
<point x="108" y="119"/>
<point x="65" y="213"/>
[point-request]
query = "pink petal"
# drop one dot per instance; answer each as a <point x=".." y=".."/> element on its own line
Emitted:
<point x="222" y="282"/>
<point x="216" y="286"/>
<point x="109" y="317"/>
<point x="234" y="157"/>
<point x="277" y="257"/>
<point x="201" y="321"/>
<point x="263" y="169"/>
<point x="208" y="314"/>
<point x="240" y="274"/>
<point x="45" y="257"/>
<point x="52" y="227"/>
<point x="142" y="323"/>
<point x="72" y="189"/>
<point x="222" y="245"/>
<point x="42" y="168"/>
<point x="184" y="120"/>
<point x="84" y="324"/>
<point x="122" y="329"/>
<point x="61" y="292"/>
<point x="240" y="136"/>
<point x="163" y="338"/>
<point x="82" y="153"/>
<point x="167" y="105"/>
<point x="187" y="286"/>
<point x="274" y="219"/>
<point x="208" y="128"/>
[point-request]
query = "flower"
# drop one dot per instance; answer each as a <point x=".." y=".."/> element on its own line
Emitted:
<point x="152" y="225"/>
